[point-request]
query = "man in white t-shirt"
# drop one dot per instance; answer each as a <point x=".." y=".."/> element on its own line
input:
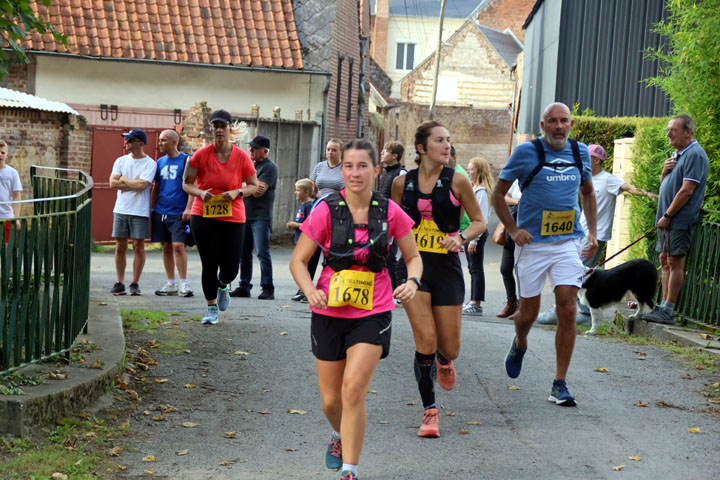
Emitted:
<point x="10" y="189"/>
<point x="607" y="188"/>
<point x="132" y="175"/>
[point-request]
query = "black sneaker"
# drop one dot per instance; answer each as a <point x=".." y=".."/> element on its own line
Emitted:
<point x="267" y="294"/>
<point x="298" y="297"/>
<point x="240" y="292"/>
<point x="118" y="289"/>
<point x="135" y="289"/>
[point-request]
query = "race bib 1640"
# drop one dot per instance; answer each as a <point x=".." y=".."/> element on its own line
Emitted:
<point x="557" y="223"/>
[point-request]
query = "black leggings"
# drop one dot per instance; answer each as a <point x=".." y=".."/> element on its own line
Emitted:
<point x="218" y="244"/>
<point x="477" y="270"/>
<point x="507" y="264"/>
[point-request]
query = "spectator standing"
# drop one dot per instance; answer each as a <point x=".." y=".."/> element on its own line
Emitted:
<point x="258" y="214"/>
<point x="131" y="176"/>
<point x="304" y="189"/>
<point x="327" y="175"/>
<point x="507" y="260"/>
<point x="391" y="159"/>
<point x="10" y="189"/>
<point x="170" y="213"/>
<point x="482" y="182"/>
<point x="551" y="170"/>
<point x="682" y="191"/>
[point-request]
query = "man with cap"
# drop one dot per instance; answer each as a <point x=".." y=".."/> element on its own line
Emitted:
<point x="607" y="188"/>
<point x="258" y="218"/>
<point x="132" y="175"/>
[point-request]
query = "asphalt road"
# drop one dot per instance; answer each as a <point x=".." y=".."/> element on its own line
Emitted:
<point x="492" y="427"/>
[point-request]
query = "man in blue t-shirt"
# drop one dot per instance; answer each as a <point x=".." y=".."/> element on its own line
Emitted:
<point x="682" y="192"/>
<point x="547" y="234"/>
<point x="170" y="214"/>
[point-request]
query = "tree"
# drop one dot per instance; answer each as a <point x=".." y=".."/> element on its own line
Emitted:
<point x="690" y="75"/>
<point x="17" y="20"/>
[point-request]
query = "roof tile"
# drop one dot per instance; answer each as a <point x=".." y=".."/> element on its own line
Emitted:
<point x="258" y="33"/>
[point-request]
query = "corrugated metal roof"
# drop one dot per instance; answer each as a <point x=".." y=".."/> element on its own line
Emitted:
<point x="14" y="99"/>
<point x="505" y="43"/>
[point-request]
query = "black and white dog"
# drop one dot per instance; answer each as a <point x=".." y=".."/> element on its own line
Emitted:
<point x="604" y="288"/>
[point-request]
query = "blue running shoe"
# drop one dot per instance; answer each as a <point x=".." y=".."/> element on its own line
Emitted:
<point x="333" y="456"/>
<point x="560" y="394"/>
<point x="513" y="361"/>
<point x="348" y="475"/>
<point x="223" y="298"/>
<point x="211" y="318"/>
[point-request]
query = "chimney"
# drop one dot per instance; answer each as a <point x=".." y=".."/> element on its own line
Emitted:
<point x="379" y="34"/>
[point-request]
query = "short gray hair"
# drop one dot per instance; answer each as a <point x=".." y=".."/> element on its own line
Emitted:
<point x="688" y="122"/>
<point x="551" y="106"/>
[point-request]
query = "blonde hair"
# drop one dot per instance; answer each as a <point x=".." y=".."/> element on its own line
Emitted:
<point x="307" y="185"/>
<point x="484" y="178"/>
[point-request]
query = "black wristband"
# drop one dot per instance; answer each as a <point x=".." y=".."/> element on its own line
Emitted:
<point x="667" y="215"/>
<point x="415" y="279"/>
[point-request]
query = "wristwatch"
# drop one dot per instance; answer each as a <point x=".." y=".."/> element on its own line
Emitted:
<point x="415" y="279"/>
<point x="667" y="215"/>
<point x="463" y="236"/>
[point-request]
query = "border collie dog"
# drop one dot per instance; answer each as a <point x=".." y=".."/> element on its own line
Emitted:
<point x="604" y="288"/>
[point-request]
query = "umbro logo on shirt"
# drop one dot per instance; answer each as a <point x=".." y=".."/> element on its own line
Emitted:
<point x="558" y="174"/>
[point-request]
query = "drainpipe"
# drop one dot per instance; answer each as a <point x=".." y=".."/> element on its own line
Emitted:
<point x="361" y="90"/>
<point x="323" y="131"/>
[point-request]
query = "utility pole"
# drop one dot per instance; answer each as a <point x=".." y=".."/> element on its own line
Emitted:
<point x="437" y="61"/>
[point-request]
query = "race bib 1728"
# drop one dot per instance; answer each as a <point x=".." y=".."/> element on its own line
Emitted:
<point x="217" y="207"/>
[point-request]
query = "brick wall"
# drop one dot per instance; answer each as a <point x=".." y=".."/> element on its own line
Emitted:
<point x="502" y="14"/>
<point x="473" y="131"/>
<point x="44" y="138"/>
<point x="379" y="30"/>
<point x="18" y="78"/>
<point x="483" y="78"/>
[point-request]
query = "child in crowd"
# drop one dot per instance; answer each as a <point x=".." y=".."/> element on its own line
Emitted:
<point x="304" y="192"/>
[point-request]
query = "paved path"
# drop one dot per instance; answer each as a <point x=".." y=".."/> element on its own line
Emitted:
<point x="520" y="435"/>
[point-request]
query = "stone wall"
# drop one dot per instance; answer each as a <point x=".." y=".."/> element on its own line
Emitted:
<point x="502" y="14"/>
<point x="473" y="131"/>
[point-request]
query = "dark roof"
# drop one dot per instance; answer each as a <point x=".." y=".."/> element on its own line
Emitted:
<point x="431" y="8"/>
<point x="504" y="43"/>
<point x="253" y="33"/>
<point x="534" y="10"/>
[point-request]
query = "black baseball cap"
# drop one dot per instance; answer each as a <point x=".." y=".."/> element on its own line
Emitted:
<point x="221" y="116"/>
<point x="260" y="142"/>
<point x="135" y="134"/>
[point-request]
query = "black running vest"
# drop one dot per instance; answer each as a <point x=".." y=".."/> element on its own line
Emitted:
<point x="342" y="242"/>
<point x="445" y="214"/>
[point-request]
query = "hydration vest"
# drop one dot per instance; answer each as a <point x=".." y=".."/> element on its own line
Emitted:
<point x="537" y="143"/>
<point x="445" y="214"/>
<point x="342" y="241"/>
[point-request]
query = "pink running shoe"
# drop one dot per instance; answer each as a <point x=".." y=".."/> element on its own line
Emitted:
<point x="445" y="375"/>
<point x="430" y="425"/>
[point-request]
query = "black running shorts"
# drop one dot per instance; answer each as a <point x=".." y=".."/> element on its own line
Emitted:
<point x="443" y="278"/>
<point x="332" y="336"/>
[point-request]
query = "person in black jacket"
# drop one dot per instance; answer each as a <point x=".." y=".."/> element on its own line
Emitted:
<point x="391" y="159"/>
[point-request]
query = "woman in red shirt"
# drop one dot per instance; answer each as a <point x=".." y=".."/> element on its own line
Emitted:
<point x="214" y="176"/>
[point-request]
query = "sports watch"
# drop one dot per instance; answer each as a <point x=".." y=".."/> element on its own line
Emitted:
<point x="416" y="280"/>
<point x="463" y="236"/>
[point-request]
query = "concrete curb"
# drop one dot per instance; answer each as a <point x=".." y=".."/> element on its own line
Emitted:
<point x="669" y="333"/>
<point x="21" y="415"/>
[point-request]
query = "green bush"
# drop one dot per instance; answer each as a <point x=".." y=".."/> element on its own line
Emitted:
<point x="603" y="131"/>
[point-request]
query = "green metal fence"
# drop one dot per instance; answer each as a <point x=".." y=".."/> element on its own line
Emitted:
<point x="45" y="269"/>
<point x="699" y="301"/>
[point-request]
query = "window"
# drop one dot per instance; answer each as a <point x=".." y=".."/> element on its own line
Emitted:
<point x="349" y="98"/>
<point x="341" y="57"/>
<point x="405" y="56"/>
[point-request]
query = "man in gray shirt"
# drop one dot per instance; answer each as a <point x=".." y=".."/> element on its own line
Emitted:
<point x="682" y="191"/>
<point x="258" y="221"/>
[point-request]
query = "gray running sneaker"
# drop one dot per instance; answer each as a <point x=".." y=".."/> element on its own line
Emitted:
<point x="135" y="289"/>
<point x="169" y="288"/>
<point x="185" y="290"/>
<point x="660" y="316"/>
<point x="472" y="309"/>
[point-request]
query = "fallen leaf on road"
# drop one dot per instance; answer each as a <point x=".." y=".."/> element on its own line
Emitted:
<point x="298" y="412"/>
<point x="122" y="384"/>
<point x="618" y="468"/>
<point x="189" y="385"/>
<point x="131" y="371"/>
<point x="186" y="351"/>
<point x="180" y="453"/>
<point x="115" y="452"/>
<point x="122" y="467"/>
<point x="84" y="416"/>
<point x="58" y="475"/>
<point x="283" y="333"/>
<point x="463" y="431"/>
<point x="633" y="457"/>
<point x="90" y="434"/>
<point x="126" y="423"/>
<point x="641" y="404"/>
<point x="411" y="403"/>
<point x="161" y="380"/>
<point x="57" y="376"/>
<point x="230" y="434"/>
<point x="227" y="463"/>
<point x="190" y="424"/>
<point x="641" y="358"/>
<point x="693" y="430"/>
<point x="143" y="353"/>
<point x="291" y="449"/>
<point x="699" y="367"/>
<point x="149" y="458"/>
<point x="142" y="366"/>
<point x="601" y="369"/>
<point x="265" y="412"/>
<point x="713" y="400"/>
<point x="153" y="343"/>
<point x="372" y="391"/>
<point x="266" y="390"/>
<point x="169" y="409"/>
<point x="474" y="423"/>
<point x="103" y="304"/>
<point x="450" y="414"/>
<point x="240" y="352"/>
<point x="705" y="336"/>
<point x="513" y="387"/>
<point x="383" y="422"/>
<point x="150" y="361"/>
<point x="147" y="412"/>
<point x="97" y="364"/>
<point x="147" y="472"/>
<point x="228" y="339"/>
<point x="287" y="306"/>
<point x="158" y="418"/>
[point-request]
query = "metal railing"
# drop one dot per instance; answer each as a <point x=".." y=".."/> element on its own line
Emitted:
<point x="45" y="269"/>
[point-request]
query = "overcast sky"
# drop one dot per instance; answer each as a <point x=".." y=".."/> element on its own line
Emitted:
<point x="431" y="8"/>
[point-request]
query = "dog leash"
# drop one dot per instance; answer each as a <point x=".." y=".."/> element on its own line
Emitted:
<point x="618" y="253"/>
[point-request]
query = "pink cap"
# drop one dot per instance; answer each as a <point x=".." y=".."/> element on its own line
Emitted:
<point x="597" y="151"/>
